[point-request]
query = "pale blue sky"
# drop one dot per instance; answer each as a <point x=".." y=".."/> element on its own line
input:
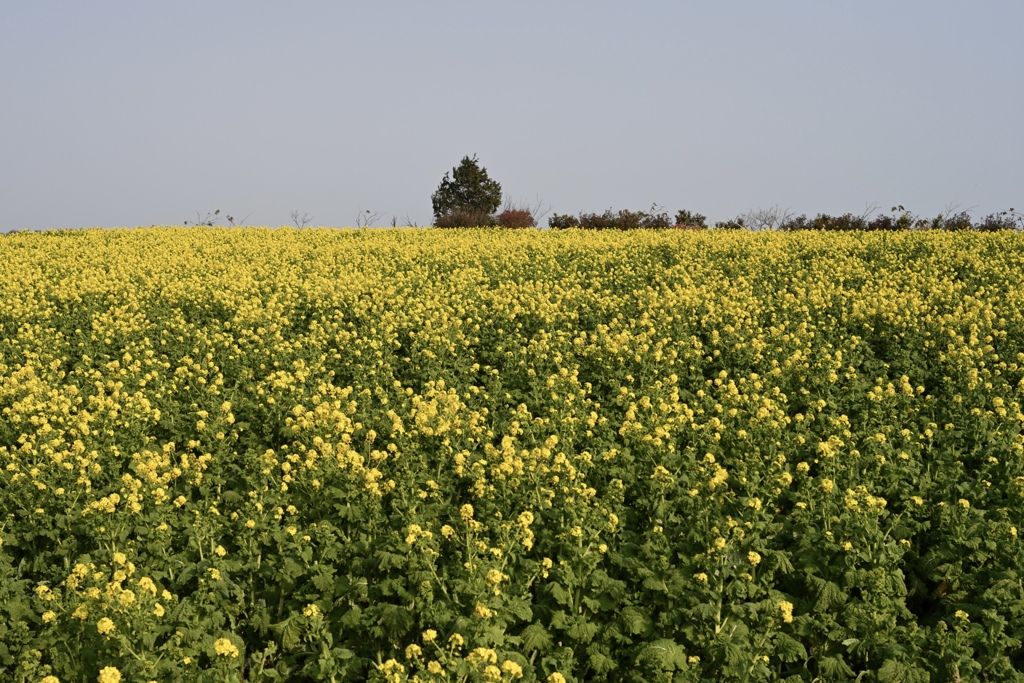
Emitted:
<point x="138" y="113"/>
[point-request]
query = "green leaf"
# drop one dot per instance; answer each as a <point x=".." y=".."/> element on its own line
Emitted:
<point x="655" y="584"/>
<point x="390" y="560"/>
<point x="395" y="621"/>
<point x="535" y="638"/>
<point x="706" y="610"/>
<point x="835" y="667"/>
<point x="734" y="654"/>
<point x="520" y="609"/>
<point x="663" y="655"/>
<point x="831" y="595"/>
<point x="560" y="595"/>
<point x="494" y="635"/>
<point x="582" y="630"/>
<point x="560" y="620"/>
<point x="634" y="620"/>
<point x="889" y="672"/>
<point x="290" y="570"/>
<point x="789" y="649"/>
<point x="324" y="578"/>
<point x="599" y="660"/>
<point x="289" y="632"/>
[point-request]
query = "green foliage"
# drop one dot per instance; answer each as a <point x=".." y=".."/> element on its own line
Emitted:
<point x="952" y="221"/>
<point x="737" y="223"/>
<point x="902" y="219"/>
<point x="469" y="190"/>
<point x="623" y="219"/>
<point x="1003" y="220"/>
<point x="691" y="219"/>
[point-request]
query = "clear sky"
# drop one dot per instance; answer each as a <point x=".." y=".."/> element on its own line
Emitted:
<point x="139" y="113"/>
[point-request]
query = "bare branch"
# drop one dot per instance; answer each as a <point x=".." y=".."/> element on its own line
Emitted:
<point x="301" y="218"/>
<point x="208" y="221"/>
<point x="231" y="220"/>
<point x="766" y="219"/>
<point x="367" y="218"/>
<point x="950" y="210"/>
<point x="869" y="210"/>
<point x="211" y="219"/>
<point x="953" y="209"/>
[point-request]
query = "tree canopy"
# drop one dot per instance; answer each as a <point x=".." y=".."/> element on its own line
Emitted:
<point x="469" y="188"/>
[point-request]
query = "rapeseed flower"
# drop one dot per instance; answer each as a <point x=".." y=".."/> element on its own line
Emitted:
<point x="109" y="674"/>
<point x="225" y="648"/>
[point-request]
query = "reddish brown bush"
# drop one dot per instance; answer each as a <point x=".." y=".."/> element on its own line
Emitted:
<point x="515" y="218"/>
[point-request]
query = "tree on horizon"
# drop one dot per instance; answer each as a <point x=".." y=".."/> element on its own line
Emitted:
<point x="469" y="189"/>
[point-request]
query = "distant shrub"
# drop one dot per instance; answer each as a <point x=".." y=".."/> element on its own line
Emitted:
<point x="848" y="222"/>
<point x="885" y="223"/>
<point x="734" y="224"/>
<point x="652" y="219"/>
<point x="796" y="223"/>
<point x="623" y="219"/>
<point x="843" y="223"/>
<point x="776" y="218"/>
<point x="1004" y="220"/>
<point x="688" y="220"/>
<point x="465" y="218"/>
<point x="958" y="221"/>
<point x="560" y="221"/>
<point x="515" y="218"/>
<point x="599" y="221"/>
<point x="823" y="221"/>
<point x="519" y="215"/>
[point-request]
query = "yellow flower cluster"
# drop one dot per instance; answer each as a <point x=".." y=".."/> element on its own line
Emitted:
<point x="109" y="674"/>
<point x="225" y="648"/>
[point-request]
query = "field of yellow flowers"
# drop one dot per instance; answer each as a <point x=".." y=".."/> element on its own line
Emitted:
<point x="391" y="455"/>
